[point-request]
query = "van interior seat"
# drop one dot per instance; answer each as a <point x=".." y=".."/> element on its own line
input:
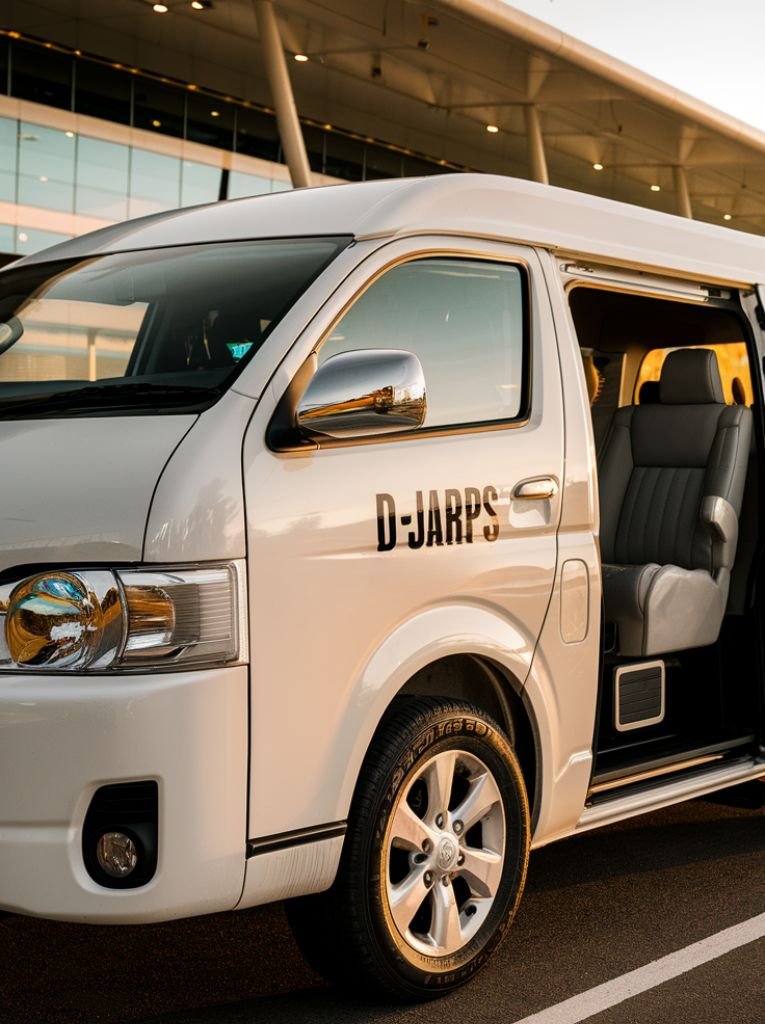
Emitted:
<point x="671" y="486"/>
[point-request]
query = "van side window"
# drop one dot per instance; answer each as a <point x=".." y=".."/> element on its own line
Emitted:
<point x="732" y="360"/>
<point x="466" y="321"/>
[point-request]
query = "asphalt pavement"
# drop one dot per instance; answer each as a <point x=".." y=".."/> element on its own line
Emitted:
<point x="596" y="906"/>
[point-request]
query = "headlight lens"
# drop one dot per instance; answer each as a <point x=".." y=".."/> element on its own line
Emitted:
<point x="65" y="620"/>
<point x="124" y="619"/>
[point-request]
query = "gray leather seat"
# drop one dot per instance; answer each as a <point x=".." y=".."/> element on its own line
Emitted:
<point x="671" y="486"/>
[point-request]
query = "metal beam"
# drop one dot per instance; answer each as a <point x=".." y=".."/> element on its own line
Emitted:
<point x="536" y="143"/>
<point x="684" y="208"/>
<point x="290" y="132"/>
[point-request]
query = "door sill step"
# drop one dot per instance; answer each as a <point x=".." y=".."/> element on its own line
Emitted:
<point x="679" y="761"/>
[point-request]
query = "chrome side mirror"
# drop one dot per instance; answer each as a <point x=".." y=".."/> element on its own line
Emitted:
<point x="363" y="393"/>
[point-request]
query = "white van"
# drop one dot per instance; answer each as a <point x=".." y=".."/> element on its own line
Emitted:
<point x="306" y="589"/>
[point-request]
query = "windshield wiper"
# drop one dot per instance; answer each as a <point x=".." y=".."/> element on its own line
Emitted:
<point x="118" y="397"/>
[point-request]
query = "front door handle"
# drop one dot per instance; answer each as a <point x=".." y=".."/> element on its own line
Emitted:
<point x="538" y="489"/>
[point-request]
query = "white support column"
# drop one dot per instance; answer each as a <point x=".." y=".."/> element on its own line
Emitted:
<point x="684" y="208"/>
<point x="537" y="160"/>
<point x="290" y="132"/>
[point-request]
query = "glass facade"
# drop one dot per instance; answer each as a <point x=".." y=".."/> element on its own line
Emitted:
<point x="79" y="173"/>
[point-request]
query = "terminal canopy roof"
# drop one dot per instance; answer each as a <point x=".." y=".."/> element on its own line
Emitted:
<point x="429" y="77"/>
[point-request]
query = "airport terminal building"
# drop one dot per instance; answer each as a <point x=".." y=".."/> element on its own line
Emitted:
<point x="138" y="107"/>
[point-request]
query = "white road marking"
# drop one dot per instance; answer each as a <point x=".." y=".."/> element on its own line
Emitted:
<point x="603" y="997"/>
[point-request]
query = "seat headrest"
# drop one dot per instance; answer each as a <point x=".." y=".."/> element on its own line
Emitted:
<point x="691" y="376"/>
<point x="649" y="393"/>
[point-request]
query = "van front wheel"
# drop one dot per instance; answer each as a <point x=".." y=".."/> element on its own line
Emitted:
<point x="434" y="860"/>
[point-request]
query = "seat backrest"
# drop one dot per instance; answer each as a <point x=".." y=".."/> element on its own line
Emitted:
<point x="661" y="461"/>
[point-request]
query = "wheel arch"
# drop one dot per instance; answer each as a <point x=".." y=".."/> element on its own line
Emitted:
<point x="481" y="681"/>
<point x="464" y="652"/>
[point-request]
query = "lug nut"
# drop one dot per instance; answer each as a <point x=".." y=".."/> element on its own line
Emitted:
<point x="439" y="821"/>
<point x="460" y="860"/>
<point x="428" y="879"/>
<point x="458" y="827"/>
<point x="427" y="845"/>
<point x="419" y="858"/>
<point x="446" y="880"/>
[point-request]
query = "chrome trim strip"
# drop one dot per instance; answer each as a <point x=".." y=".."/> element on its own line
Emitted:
<point x="298" y="837"/>
<point x="653" y="773"/>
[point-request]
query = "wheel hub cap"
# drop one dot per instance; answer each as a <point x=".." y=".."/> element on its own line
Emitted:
<point x="447" y="853"/>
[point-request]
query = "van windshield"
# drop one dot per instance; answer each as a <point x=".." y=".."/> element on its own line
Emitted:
<point x="166" y="330"/>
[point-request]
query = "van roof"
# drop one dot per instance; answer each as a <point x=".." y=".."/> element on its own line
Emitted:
<point x="476" y="205"/>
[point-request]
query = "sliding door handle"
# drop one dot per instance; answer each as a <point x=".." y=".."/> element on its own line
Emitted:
<point x="538" y="489"/>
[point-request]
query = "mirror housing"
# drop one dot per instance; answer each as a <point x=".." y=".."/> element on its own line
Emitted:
<point x="363" y="393"/>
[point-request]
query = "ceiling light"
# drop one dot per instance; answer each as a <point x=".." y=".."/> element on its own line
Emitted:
<point x="202" y="5"/>
<point x="214" y="113"/>
<point x="23" y="236"/>
<point x="597" y="167"/>
<point x="656" y="188"/>
<point x="301" y="58"/>
<point x="492" y="129"/>
<point x="727" y="216"/>
<point x="69" y="135"/>
<point x="43" y="177"/>
<point x="156" y="124"/>
<point x="159" y="8"/>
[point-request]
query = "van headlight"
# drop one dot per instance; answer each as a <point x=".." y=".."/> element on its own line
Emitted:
<point x="97" y="619"/>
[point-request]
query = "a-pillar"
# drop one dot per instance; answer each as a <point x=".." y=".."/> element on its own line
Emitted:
<point x="536" y="143"/>
<point x="290" y="133"/>
<point x="682" y="194"/>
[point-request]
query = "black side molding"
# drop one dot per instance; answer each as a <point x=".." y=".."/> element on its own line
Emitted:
<point x="299" y="837"/>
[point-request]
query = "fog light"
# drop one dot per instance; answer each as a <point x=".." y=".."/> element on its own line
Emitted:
<point x="117" y="854"/>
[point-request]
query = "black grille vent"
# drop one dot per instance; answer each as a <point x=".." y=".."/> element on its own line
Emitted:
<point x="639" y="696"/>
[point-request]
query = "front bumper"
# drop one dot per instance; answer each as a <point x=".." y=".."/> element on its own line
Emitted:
<point x="62" y="737"/>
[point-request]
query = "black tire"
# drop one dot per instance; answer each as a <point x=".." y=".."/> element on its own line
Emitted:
<point x="348" y="933"/>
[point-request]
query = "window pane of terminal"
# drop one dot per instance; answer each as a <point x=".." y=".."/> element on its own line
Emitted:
<point x="158" y="107"/>
<point x="345" y="157"/>
<point x="102" y="179"/>
<point x="210" y="121"/>
<point x="314" y="144"/>
<point x="414" y="167"/>
<point x="102" y="91"/>
<point x="41" y="75"/>
<point x="9" y="132"/>
<point x="4" y="68"/>
<point x="382" y="163"/>
<point x="257" y="134"/>
<point x="154" y="183"/>
<point x="46" y="167"/>
<point x="200" y="183"/>
<point x="240" y="184"/>
<point x="7" y="239"/>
